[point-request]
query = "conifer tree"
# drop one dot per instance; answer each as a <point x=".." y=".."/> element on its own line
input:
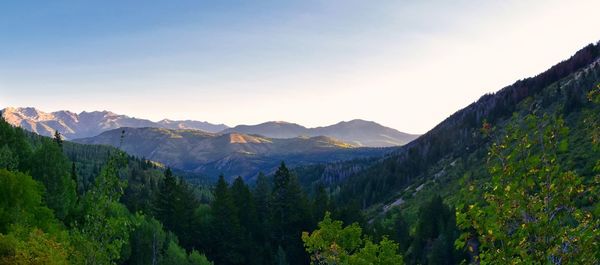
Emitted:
<point x="174" y="206"/>
<point x="290" y="214"/>
<point x="243" y="200"/>
<point x="320" y="203"/>
<point x="58" y="139"/>
<point x="262" y="201"/>
<point x="226" y="227"/>
<point x="164" y="209"/>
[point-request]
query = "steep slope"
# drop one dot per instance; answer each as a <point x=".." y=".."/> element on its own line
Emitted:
<point x="455" y="146"/>
<point x="231" y="154"/>
<point x="357" y="132"/>
<point x="85" y="124"/>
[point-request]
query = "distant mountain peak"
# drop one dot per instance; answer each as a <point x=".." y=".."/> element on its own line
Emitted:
<point x="358" y="132"/>
<point x="89" y="123"/>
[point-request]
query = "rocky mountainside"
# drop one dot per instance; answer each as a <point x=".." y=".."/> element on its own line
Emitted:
<point x="356" y="132"/>
<point x="229" y="153"/>
<point x="85" y="124"/>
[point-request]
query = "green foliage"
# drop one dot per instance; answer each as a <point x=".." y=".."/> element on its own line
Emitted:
<point x="16" y="150"/>
<point x="593" y="118"/>
<point x="384" y="253"/>
<point x="21" y="202"/>
<point x="8" y="160"/>
<point x="174" y="205"/>
<point x="147" y="241"/>
<point x="29" y="233"/>
<point x="195" y="258"/>
<point x="100" y="229"/>
<point x="104" y="230"/>
<point x="394" y="227"/>
<point x="247" y="216"/>
<point x="431" y="238"/>
<point x="261" y="195"/>
<point x="32" y="247"/>
<point x="174" y="255"/>
<point x="290" y="213"/>
<point x="50" y="166"/>
<point x="226" y="226"/>
<point x="530" y="212"/>
<point x="332" y="243"/>
<point x="435" y="233"/>
<point x="320" y="203"/>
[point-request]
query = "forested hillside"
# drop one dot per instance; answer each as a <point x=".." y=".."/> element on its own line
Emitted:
<point x="561" y="89"/>
<point x="485" y="160"/>
<point x="54" y="212"/>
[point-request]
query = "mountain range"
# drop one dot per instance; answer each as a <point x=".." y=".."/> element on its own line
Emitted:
<point x="232" y="154"/>
<point x="87" y="124"/>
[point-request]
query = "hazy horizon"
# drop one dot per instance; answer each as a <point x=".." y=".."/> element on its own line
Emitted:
<point x="404" y="65"/>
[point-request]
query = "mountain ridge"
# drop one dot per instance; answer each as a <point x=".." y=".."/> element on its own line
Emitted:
<point x="231" y="154"/>
<point x="564" y="85"/>
<point x="87" y="124"/>
<point x="357" y="132"/>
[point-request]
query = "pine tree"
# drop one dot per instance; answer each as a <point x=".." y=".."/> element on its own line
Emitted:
<point x="262" y="201"/>
<point x="163" y="205"/>
<point x="226" y="227"/>
<point x="242" y="198"/>
<point x="320" y="203"/>
<point x="186" y="204"/>
<point x="435" y="233"/>
<point x="58" y="139"/>
<point x="262" y="197"/>
<point x="74" y="177"/>
<point x="174" y="206"/>
<point x="290" y="214"/>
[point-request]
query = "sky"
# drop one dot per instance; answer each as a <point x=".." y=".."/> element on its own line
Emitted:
<point x="404" y="64"/>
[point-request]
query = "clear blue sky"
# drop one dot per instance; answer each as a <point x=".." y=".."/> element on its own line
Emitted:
<point x="405" y="64"/>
